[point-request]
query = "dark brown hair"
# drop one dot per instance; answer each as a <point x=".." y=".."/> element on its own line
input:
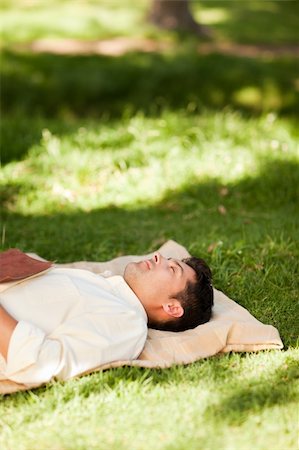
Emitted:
<point x="196" y="298"/>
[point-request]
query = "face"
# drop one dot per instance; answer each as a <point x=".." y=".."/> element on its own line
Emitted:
<point x="156" y="281"/>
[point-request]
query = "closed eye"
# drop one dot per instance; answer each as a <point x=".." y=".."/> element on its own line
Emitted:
<point x="176" y="266"/>
<point x="171" y="267"/>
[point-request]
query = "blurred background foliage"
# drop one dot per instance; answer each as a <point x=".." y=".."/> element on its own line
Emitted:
<point x="262" y="22"/>
<point x="185" y="74"/>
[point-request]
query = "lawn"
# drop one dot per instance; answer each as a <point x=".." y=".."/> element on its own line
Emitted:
<point x="104" y="156"/>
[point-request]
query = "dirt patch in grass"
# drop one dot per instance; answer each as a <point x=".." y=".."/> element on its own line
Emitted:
<point x="110" y="47"/>
<point x="122" y="45"/>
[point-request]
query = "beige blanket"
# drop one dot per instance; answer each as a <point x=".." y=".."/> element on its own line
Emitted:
<point x="232" y="327"/>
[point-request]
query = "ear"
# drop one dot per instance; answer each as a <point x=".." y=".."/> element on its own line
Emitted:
<point x="173" y="308"/>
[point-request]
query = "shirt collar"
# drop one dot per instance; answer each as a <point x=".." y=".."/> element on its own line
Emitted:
<point x="123" y="290"/>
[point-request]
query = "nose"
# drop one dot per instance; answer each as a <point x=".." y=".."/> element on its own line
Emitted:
<point x="157" y="257"/>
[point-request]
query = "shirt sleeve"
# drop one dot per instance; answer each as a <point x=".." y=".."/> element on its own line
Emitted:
<point x="32" y="358"/>
<point x="74" y="348"/>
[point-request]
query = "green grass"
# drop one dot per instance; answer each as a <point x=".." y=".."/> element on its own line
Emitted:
<point x="23" y="22"/>
<point x="228" y="402"/>
<point x="109" y="156"/>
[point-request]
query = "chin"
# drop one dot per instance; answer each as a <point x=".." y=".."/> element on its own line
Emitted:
<point x="129" y="271"/>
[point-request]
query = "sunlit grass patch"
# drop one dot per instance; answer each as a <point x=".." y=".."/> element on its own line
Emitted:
<point x="138" y="161"/>
<point x="174" y="407"/>
<point x="25" y="21"/>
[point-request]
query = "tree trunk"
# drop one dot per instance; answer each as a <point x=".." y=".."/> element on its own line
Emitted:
<point x="176" y="15"/>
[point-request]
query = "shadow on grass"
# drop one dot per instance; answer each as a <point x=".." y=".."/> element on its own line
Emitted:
<point x="273" y="190"/>
<point x="52" y="85"/>
<point x="255" y="22"/>
<point x="20" y="132"/>
<point x="69" y="87"/>
<point x="277" y="388"/>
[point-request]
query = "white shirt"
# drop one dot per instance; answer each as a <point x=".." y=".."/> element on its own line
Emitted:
<point x="69" y="322"/>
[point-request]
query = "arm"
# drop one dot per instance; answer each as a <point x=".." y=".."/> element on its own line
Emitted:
<point x="7" y="326"/>
<point x="75" y="347"/>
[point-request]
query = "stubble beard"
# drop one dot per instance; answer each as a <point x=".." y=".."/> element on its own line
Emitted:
<point x="131" y="272"/>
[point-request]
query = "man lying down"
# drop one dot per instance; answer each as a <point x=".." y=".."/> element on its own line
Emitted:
<point x="68" y="321"/>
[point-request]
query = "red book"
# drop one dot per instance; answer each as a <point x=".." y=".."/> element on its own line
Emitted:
<point x="16" y="265"/>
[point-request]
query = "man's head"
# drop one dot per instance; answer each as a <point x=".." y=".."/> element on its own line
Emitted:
<point x="177" y="295"/>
